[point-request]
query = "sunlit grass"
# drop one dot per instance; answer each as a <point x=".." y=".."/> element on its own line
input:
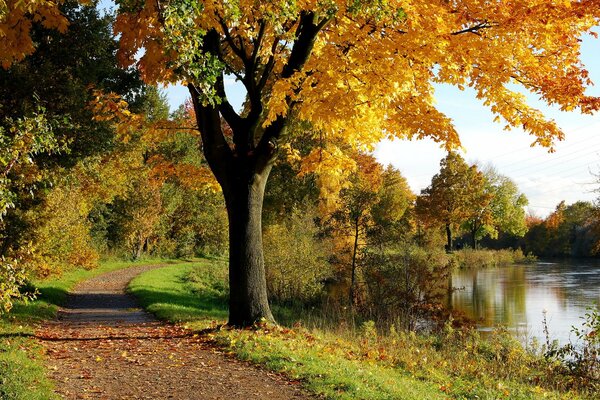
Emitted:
<point x="183" y="293"/>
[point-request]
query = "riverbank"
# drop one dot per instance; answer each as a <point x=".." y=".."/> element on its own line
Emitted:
<point x="351" y="362"/>
<point x="483" y="258"/>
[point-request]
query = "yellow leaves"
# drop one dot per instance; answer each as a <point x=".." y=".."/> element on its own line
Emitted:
<point x="16" y="18"/>
<point x="189" y="176"/>
<point x="290" y="154"/>
<point x="284" y="91"/>
<point x="332" y="167"/>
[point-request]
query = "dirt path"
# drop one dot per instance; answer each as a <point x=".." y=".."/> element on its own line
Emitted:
<point x="103" y="347"/>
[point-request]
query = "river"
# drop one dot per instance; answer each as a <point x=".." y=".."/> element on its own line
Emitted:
<point x="517" y="297"/>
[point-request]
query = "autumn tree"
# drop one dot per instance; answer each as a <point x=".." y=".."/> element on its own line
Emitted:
<point x="455" y="196"/>
<point x="570" y="230"/>
<point x="359" y="71"/>
<point x="392" y="214"/>
<point x="352" y="219"/>
<point x="56" y="79"/>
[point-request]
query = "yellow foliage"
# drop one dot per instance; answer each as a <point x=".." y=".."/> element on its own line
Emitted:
<point x="332" y="167"/>
<point x="372" y="68"/>
<point x="16" y="19"/>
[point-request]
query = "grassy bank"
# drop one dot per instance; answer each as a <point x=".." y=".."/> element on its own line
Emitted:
<point x="22" y="375"/>
<point x="359" y="363"/>
<point x="483" y="258"/>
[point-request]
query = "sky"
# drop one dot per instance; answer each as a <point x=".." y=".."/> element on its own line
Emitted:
<point x="545" y="178"/>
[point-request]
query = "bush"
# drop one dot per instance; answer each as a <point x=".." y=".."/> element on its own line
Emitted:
<point x="407" y="283"/>
<point x="296" y="262"/>
<point x="580" y="361"/>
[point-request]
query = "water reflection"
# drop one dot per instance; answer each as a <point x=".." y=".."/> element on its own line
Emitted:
<point x="517" y="296"/>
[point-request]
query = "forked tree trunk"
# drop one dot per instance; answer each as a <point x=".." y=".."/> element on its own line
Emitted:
<point x="242" y="163"/>
<point x="242" y="174"/>
<point x="248" y="302"/>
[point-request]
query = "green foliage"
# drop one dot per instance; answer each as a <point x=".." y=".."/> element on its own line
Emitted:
<point x="296" y="272"/>
<point x="507" y="205"/>
<point x="13" y="275"/>
<point x="48" y="136"/>
<point x="20" y="141"/>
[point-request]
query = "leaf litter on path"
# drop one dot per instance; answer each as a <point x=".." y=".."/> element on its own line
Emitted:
<point x="104" y="347"/>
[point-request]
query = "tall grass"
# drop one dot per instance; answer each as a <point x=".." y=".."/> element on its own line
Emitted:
<point x="482" y="258"/>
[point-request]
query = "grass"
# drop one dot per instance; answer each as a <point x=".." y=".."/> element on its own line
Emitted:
<point x="484" y="258"/>
<point x="22" y="375"/>
<point x="178" y="293"/>
<point x="357" y="363"/>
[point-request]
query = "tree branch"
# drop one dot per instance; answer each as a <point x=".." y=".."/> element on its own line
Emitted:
<point x="238" y="51"/>
<point x="475" y="28"/>
<point x="216" y="150"/>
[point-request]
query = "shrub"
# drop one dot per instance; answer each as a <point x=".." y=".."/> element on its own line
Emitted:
<point x="469" y="258"/>
<point x="296" y="262"/>
<point x="408" y="282"/>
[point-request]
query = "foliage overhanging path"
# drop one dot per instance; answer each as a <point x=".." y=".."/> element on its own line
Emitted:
<point x="102" y="346"/>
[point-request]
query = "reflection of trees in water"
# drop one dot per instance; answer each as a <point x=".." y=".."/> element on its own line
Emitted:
<point x="492" y="297"/>
<point x="516" y="296"/>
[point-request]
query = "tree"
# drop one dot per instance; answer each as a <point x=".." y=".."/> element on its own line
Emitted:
<point x="498" y="207"/>
<point x="478" y="198"/>
<point x="56" y="79"/>
<point x="507" y="205"/>
<point x="353" y="217"/>
<point x="392" y="212"/>
<point x="358" y="70"/>
<point x="455" y="196"/>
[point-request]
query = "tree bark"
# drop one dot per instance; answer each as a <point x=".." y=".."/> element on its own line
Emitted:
<point x="248" y="302"/>
<point x="353" y="276"/>
<point x="448" y="238"/>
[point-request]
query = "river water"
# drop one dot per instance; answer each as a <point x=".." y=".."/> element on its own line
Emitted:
<point x="517" y="297"/>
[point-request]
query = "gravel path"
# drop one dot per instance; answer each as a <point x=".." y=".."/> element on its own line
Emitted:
<point x="104" y="347"/>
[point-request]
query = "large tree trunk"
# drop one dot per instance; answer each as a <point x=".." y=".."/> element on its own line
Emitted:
<point x="248" y="302"/>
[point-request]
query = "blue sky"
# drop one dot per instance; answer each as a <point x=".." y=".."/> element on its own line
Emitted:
<point x="545" y="178"/>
